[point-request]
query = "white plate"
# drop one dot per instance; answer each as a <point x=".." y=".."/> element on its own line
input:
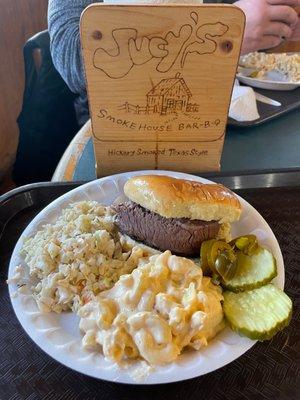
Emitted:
<point x="58" y="334"/>
<point x="266" y="84"/>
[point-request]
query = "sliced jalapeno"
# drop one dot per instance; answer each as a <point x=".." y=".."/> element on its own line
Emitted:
<point x="218" y="257"/>
<point x="204" y="252"/>
<point x="226" y="265"/>
<point x="248" y="244"/>
<point x="217" y="247"/>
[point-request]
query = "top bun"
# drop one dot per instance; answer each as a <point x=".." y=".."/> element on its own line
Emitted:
<point x="180" y="198"/>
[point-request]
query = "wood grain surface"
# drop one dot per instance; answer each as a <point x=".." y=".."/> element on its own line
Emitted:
<point x="159" y="82"/>
<point x="19" y="20"/>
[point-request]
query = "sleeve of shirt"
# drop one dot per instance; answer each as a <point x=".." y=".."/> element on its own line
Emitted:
<point x="63" y="26"/>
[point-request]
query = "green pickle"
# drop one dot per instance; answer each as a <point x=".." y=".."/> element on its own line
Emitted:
<point x="258" y="314"/>
<point x="253" y="270"/>
<point x="239" y="265"/>
<point x="252" y="305"/>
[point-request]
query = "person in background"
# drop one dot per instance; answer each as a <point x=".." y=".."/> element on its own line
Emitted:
<point x="268" y="23"/>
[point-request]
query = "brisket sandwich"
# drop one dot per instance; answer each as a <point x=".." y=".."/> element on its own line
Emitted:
<point x="176" y="214"/>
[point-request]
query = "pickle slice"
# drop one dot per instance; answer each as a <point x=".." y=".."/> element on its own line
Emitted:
<point x="252" y="271"/>
<point x="258" y="314"/>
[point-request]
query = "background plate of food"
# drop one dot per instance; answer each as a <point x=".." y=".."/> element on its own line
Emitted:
<point x="103" y="304"/>
<point x="273" y="71"/>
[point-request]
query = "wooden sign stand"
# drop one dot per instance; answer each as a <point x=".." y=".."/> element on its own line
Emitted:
<point x="159" y="82"/>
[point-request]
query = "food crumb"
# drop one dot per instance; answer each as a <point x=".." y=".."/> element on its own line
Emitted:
<point x="141" y="371"/>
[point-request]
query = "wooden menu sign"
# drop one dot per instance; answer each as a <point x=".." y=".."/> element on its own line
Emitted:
<point x="159" y="82"/>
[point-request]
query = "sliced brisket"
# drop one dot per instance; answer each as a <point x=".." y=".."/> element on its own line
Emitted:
<point x="181" y="236"/>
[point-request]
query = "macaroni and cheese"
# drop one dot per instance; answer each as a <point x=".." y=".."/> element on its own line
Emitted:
<point x="155" y="312"/>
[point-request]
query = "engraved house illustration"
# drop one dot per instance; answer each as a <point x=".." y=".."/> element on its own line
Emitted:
<point x="170" y="95"/>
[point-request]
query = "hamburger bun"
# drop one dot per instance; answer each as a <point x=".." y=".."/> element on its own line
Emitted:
<point x="179" y="198"/>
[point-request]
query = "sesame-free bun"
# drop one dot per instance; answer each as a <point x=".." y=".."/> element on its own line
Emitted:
<point x="180" y="198"/>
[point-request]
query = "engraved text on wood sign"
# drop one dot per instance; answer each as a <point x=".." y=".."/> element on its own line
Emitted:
<point x="159" y="83"/>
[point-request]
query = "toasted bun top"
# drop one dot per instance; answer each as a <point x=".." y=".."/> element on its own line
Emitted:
<point x="179" y="198"/>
